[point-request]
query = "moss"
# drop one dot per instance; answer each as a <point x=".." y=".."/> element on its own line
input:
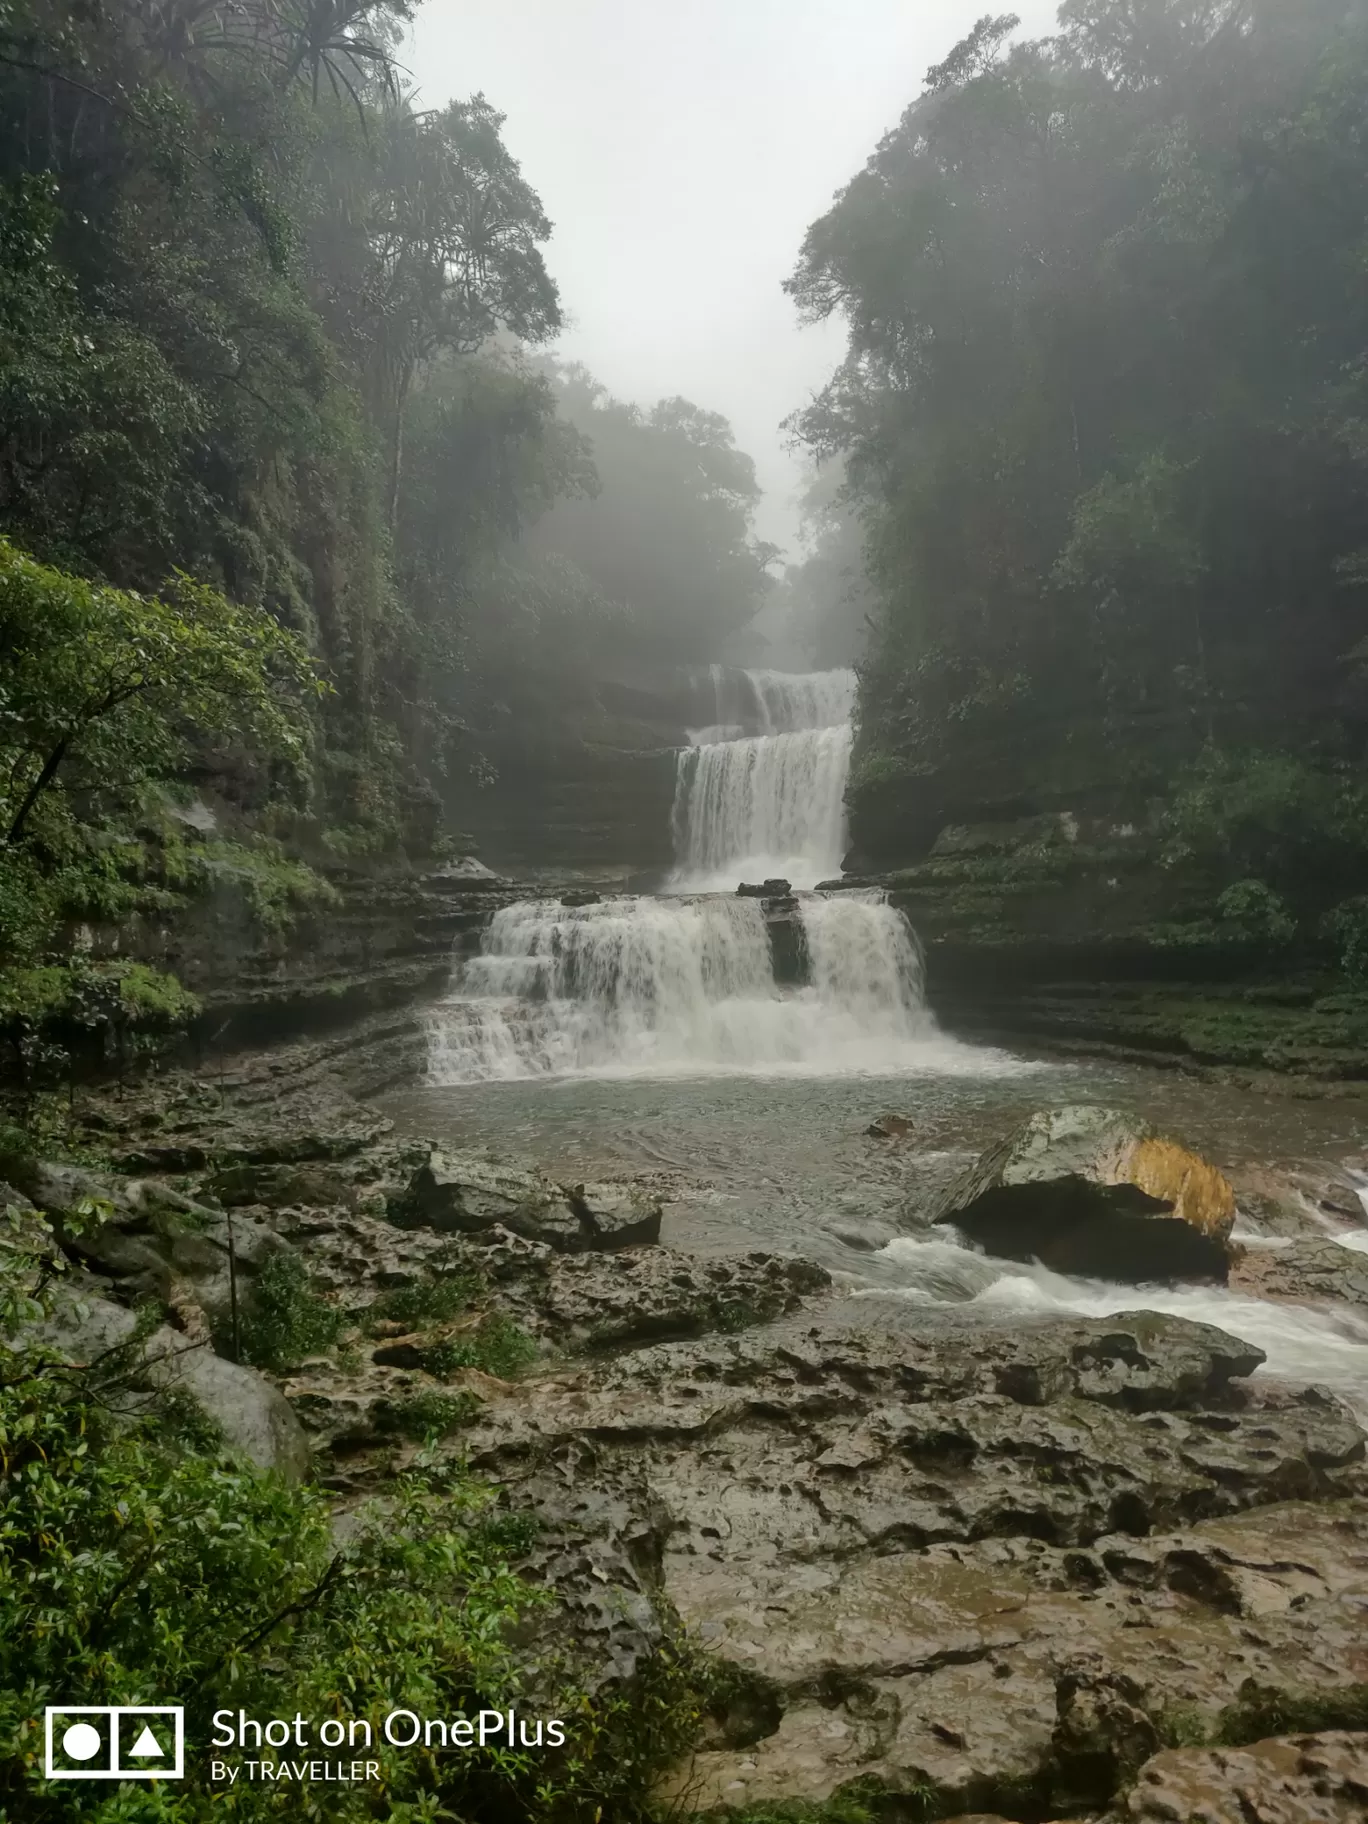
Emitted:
<point x="1184" y="1726"/>
<point x="1264" y="1710"/>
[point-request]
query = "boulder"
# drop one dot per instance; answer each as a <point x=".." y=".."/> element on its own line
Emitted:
<point x="256" y="1420"/>
<point x="281" y="1186"/>
<point x="765" y="889"/>
<point x="1289" y="1779"/>
<point x="889" y="1127"/>
<point x="615" y="1215"/>
<point x="464" y="1193"/>
<point x="1095" y="1192"/>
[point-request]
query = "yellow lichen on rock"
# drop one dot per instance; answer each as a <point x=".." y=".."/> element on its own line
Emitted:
<point x="1199" y="1193"/>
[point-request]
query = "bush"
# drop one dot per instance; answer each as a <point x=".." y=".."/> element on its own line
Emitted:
<point x="1268" y="814"/>
<point x="1257" y="914"/>
<point x="498" y="1346"/>
<point x="1346" y="928"/>
<point x="133" y="1570"/>
<point x="428" y="1301"/>
<point x="286" y="1319"/>
<point x="424" y="1415"/>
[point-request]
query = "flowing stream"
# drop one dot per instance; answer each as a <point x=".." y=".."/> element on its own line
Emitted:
<point x="662" y="1035"/>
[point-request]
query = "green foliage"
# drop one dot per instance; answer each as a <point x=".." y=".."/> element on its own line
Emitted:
<point x="1253" y="808"/>
<point x="428" y="1301"/>
<point x="1346" y="926"/>
<point x="286" y="1320"/>
<point x="668" y="532"/>
<point x="102" y="688"/>
<point x="1261" y="1711"/>
<point x="1102" y="421"/>
<point x="497" y="1345"/>
<point x="133" y="1569"/>
<point x="429" y="1414"/>
<point x="1257" y="913"/>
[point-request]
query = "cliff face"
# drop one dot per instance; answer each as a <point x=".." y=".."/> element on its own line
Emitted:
<point x="385" y="941"/>
<point x="588" y="784"/>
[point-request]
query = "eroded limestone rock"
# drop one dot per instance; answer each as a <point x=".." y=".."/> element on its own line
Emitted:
<point x="1297" y="1779"/>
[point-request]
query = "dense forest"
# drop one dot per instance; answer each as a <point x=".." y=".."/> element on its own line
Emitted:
<point x="1103" y="412"/>
<point x="272" y="430"/>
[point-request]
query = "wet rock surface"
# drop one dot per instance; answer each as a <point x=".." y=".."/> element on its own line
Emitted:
<point x="971" y="1561"/>
<point x="1307" y="1270"/>
<point x="1095" y="1192"/>
<point x="1300" y="1779"/>
<point x="960" y="1560"/>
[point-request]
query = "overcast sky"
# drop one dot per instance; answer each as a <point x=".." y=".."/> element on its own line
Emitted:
<point x="681" y="152"/>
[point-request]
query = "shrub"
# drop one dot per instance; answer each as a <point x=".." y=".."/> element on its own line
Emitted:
<point x="1256" y="913"/>
<point x="1346" y="928"/>
<point x="428" y="1301"/>
<point x="497" y="1346"/>
<point x="286" y="1320"/>
<point x="424" y="1415"/>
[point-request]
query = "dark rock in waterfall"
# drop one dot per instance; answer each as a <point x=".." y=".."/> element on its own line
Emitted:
<point x="1095" y="1192"/>
<point x="765" y="889"/>
<point x="788" y="942"/>
<point x="581" y="896"/>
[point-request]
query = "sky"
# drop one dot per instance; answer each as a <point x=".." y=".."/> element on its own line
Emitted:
<point x="681" y="152"/>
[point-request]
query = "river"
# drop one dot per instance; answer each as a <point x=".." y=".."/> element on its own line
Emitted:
<point x="649" y="1035"/>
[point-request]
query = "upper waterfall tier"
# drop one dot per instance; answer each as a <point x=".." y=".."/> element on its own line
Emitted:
<point x="756" y="806"/>
<point x="682" y="986"/>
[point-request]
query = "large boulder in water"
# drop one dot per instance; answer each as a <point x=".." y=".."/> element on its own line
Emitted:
<point x="1095" y="1192"/>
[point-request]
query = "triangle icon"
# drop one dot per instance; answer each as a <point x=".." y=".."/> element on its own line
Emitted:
<point x="147" y="1745"/>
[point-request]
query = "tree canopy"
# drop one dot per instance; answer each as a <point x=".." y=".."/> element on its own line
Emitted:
<point x="1104" y="396"/>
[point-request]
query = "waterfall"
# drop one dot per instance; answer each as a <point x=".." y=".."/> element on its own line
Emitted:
<point x="683" y="986"/>
<point x="769" y="803"/>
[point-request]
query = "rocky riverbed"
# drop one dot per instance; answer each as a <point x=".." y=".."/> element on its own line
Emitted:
<point x="941" y="1562"/>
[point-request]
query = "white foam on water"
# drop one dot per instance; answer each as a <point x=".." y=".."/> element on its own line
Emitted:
<point x="768" y="805"/>
<point x="679" y="986"/>
<point x="1326" y="1344"/>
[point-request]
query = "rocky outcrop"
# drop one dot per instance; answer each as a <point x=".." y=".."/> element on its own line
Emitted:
<point x="1307" y="1270"/>
<point x="949" y="1559"/>
<point x="253" y="1417"/>
<point x="465" y="1193"/>
<point x="1297" y="1779"/>
<point x="967" y="1565"/>
<point x="1094" y="1192"/>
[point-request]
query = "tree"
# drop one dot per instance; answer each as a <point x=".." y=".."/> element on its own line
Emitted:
<point x="669" y="532"/>
<point x="102" y="689"/>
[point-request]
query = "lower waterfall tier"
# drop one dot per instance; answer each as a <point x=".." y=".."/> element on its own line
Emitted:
<point x="685" y="985"/>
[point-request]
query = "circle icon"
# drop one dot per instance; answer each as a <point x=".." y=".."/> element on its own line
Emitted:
<point x="82" y="1742"/>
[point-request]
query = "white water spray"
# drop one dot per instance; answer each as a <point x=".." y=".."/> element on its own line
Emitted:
<point x="1326" y="1344"/>
<point x="770" y="804"/>
<point x="681" y="986"/>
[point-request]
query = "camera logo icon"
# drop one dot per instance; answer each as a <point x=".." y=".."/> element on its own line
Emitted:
<point x="115" y="1742"/>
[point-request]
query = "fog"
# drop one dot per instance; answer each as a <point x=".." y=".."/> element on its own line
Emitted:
<point x="681" y="158"/>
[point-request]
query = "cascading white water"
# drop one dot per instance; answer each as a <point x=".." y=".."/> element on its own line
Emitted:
<point x="681" y="986"/>
<point x="770" y="804"/>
